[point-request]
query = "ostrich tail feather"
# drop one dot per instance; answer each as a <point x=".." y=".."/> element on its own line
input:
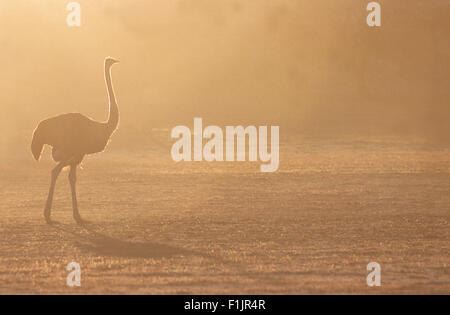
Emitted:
<point x="36" y="146"/>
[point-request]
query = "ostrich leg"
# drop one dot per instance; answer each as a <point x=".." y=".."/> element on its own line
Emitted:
<point x="73" y="180"/>
<point x="48" y="206"/>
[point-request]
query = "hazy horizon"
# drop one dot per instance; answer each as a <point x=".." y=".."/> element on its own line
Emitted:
<point x="360" y="174"/>
<point x="312" y="67"/>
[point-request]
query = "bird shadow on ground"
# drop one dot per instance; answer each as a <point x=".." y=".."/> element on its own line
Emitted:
<point x="87" y="239"/>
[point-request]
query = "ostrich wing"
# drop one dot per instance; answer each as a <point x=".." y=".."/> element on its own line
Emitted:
<point x="73" y="134"/>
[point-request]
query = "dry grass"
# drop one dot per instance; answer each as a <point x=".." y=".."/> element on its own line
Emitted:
<point x="160" y="227"/>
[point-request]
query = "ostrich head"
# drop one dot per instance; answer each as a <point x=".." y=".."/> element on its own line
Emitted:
<point x="110" y="61"/>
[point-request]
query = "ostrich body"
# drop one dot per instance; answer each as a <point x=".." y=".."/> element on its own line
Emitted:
<point x="71" y="137"/>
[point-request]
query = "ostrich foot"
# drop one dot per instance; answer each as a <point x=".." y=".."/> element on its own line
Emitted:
<point x="47" y="216"/>
<point x="78" y="219"/>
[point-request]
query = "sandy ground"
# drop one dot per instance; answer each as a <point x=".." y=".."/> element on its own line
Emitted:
<point x="218" y="228"/>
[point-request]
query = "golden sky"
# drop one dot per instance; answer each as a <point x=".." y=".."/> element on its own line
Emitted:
<point x="308" y="65"/>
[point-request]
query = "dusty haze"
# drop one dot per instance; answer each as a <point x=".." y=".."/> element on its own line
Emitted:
<point x="314" y="66"/>
<point x="364" y="146"/>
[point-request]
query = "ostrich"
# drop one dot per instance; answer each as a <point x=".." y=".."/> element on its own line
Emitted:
<point x="71" y="137"/>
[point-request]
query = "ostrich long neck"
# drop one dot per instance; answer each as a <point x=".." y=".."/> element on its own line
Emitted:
<point x="113" y="119"/>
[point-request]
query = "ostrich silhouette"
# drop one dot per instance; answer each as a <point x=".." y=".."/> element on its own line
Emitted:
<point x="71" y="137"/>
